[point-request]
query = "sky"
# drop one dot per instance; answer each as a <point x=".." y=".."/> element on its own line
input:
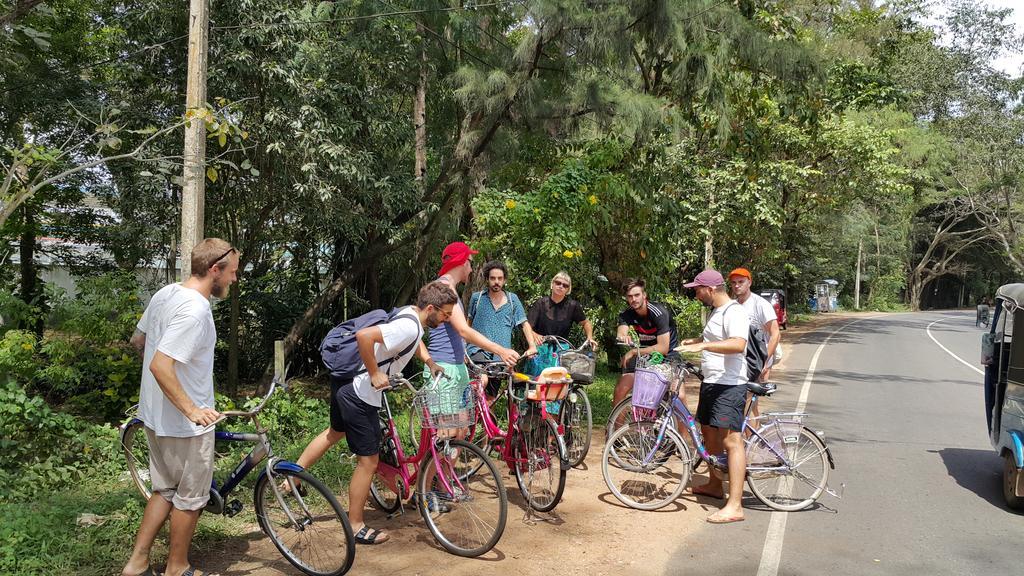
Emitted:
<point x="1009" y="63"/>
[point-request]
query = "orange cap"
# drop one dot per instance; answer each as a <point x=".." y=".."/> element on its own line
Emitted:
<point x="741" y="272"/>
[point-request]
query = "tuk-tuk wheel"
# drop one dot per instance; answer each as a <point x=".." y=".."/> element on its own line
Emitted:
<point x="1011" y="478"/>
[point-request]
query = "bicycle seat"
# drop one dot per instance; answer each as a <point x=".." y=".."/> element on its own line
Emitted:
<point x="757" y="389"/>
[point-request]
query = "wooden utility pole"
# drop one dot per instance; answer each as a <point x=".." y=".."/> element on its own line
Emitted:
<point x="856" y="284"/>
<point x="193" y="192"/>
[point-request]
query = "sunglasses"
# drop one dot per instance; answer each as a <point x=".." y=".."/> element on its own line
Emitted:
<point x="223" y="256"/>
<point x="560" y="283"/>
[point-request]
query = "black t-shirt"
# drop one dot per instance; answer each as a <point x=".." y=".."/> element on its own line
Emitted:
<point x="658" y="321"/>
<point x="549" y="318"/>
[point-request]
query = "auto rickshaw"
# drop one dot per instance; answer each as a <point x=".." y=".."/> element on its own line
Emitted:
<point x="1003" y="358"/>
<point x="777" y="298"/>
<point x="827" y="293"/>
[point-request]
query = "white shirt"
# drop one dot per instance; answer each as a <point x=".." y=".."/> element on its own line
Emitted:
<point x="761" y="312"/>
<point x="179" y="323"/>
<point x="403" y="330"/>
<point x="729" y="369"/>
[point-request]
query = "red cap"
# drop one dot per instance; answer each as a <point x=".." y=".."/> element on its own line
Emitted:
<point x="741" y="272"/>
<point x="709" y="278"/>
<point x="454" y="255"/>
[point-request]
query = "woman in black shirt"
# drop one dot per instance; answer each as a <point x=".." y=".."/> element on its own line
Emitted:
<point x="554" y="315"/>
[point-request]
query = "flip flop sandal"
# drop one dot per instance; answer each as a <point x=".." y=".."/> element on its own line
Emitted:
<point x="368" y="536"/>
<point x="193" y="571"/>
<point x="435" y="503"/>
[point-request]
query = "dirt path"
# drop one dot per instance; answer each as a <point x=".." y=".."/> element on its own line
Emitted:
<point x="589" y="532"/>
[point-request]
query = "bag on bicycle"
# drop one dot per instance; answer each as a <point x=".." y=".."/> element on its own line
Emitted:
<point x="340" y="352"/>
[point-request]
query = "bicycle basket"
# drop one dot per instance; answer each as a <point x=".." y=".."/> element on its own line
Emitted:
<point x="580" y="366"/>
<point x="776" y="435"/>
<point x="445" y="408"/>
<point x="649" y="388"/>
<point x="552" y="384"/>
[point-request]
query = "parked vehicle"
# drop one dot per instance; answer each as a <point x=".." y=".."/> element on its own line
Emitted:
<point x="1003" y="358"/>
<point x="777" y="298"/>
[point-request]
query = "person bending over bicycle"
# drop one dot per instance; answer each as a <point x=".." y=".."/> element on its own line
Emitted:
<point x="355" y="402"/>
<point x="723" y="392"/>
<point x="655" y="328"/>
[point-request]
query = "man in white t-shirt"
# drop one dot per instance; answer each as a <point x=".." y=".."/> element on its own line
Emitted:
<point x="176" y="336"/>
<point x="385" y="350"/>
<point x="761" y="313"/>
<point x="723" y="393"/>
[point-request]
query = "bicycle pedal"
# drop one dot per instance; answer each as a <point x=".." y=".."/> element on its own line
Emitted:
<point x="232" y="508"/>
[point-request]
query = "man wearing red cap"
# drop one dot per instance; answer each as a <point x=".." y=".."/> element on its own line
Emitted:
<point x="723" y="392"/>
<point x="447" y="349"/>
<point x="761" y="313"/>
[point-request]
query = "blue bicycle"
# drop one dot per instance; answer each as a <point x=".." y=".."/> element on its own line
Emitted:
<point x="647" y="464"/>
<point x="306" y="523"/>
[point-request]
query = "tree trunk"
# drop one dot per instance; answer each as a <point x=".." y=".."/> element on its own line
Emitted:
<point x="30" y="292"/>
<point x="419" y="114"/>
<point x="856" y="283"/>
<point x="232" y="385"/>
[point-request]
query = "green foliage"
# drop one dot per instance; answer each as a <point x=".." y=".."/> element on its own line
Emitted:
<point x="43" y="450"/>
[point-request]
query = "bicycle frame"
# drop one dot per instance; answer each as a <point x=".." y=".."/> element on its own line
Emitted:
<point x="391" y="474"/>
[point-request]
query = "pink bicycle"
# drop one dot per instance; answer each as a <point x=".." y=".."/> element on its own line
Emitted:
<point x="458" y="491"/>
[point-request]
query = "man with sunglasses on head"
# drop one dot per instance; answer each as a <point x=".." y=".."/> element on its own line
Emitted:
<point x="176" y="336"/>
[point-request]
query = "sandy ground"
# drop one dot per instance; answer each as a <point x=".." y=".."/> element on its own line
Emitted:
<point x="589" y="532"/>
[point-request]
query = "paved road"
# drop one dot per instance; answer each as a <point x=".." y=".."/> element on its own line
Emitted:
<point x="905" y="421"/>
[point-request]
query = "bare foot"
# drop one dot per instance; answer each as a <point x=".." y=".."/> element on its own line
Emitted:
<point x="723" y="517"/>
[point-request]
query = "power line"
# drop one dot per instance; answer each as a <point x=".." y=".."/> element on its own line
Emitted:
<point x="357" y="18"/>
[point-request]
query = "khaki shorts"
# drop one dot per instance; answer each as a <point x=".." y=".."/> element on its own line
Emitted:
<point x="181" y="469"/>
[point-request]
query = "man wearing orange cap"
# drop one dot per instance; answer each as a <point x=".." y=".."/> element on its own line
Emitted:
<point x="447" y="349"/>
<point x="761" y="313"/>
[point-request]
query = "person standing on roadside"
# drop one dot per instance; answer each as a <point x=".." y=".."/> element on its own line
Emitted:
<point x="177" y="336"/>
<point x="761" y="312"/>
<point x="495" y="313"/>
<point x="655" y="328"/>
<point x="723" y="393"/>
<point x="447" y="349"/>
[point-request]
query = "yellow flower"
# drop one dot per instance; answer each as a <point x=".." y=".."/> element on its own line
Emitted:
<point x="568" y="254"/>
<point x="536" y="210"/>
<point x="579" y="253"/>
<point x="592" y="199"/>
<point x="510" y="204"/>
<point x="26" y="346"/>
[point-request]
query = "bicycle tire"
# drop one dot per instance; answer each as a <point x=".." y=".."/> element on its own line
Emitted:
<point x="537" y="450"/>
<point x="623" y="409"/>
<point x="135" y="447"/>
<point x="774" y="488"/>
<point x="321" y="510"/>
<point x="652" y="485"/>
<point x="481" y="502"/>
<point x="578" y="422"/>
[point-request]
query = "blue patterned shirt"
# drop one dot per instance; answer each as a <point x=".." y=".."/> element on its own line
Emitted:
<point x="496" y="325"/>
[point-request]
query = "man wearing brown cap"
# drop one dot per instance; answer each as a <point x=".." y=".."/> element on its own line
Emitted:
<point x="723" y="393"/>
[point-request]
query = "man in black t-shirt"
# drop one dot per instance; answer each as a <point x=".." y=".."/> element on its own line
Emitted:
<point x="654" y="327"/>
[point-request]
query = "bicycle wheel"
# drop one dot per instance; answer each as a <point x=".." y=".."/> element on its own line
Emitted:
<point x="539" y="453"/>
<point x="384" y="498"/>
<point x="791" y="487"/>
<point x="477" y="506"/>
<point x="622" y="414"/>
<point x="135" y="447"/>
<point x="639" y="479"/>
<point x="578" y="421"/>
<point x="319" y="541"/>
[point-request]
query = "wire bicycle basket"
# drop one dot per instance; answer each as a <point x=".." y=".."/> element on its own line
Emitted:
<point x="449" y="408"/>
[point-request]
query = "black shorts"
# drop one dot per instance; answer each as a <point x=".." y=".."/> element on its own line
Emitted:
<point x="721" y="406"/>
<point x="630" y="368"/>
<point x="357" y="419"/>
<point x="493" y="385"/>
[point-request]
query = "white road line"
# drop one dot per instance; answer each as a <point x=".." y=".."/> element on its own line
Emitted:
<point x="771" y="554"/>
<point x="928" y="330"/>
